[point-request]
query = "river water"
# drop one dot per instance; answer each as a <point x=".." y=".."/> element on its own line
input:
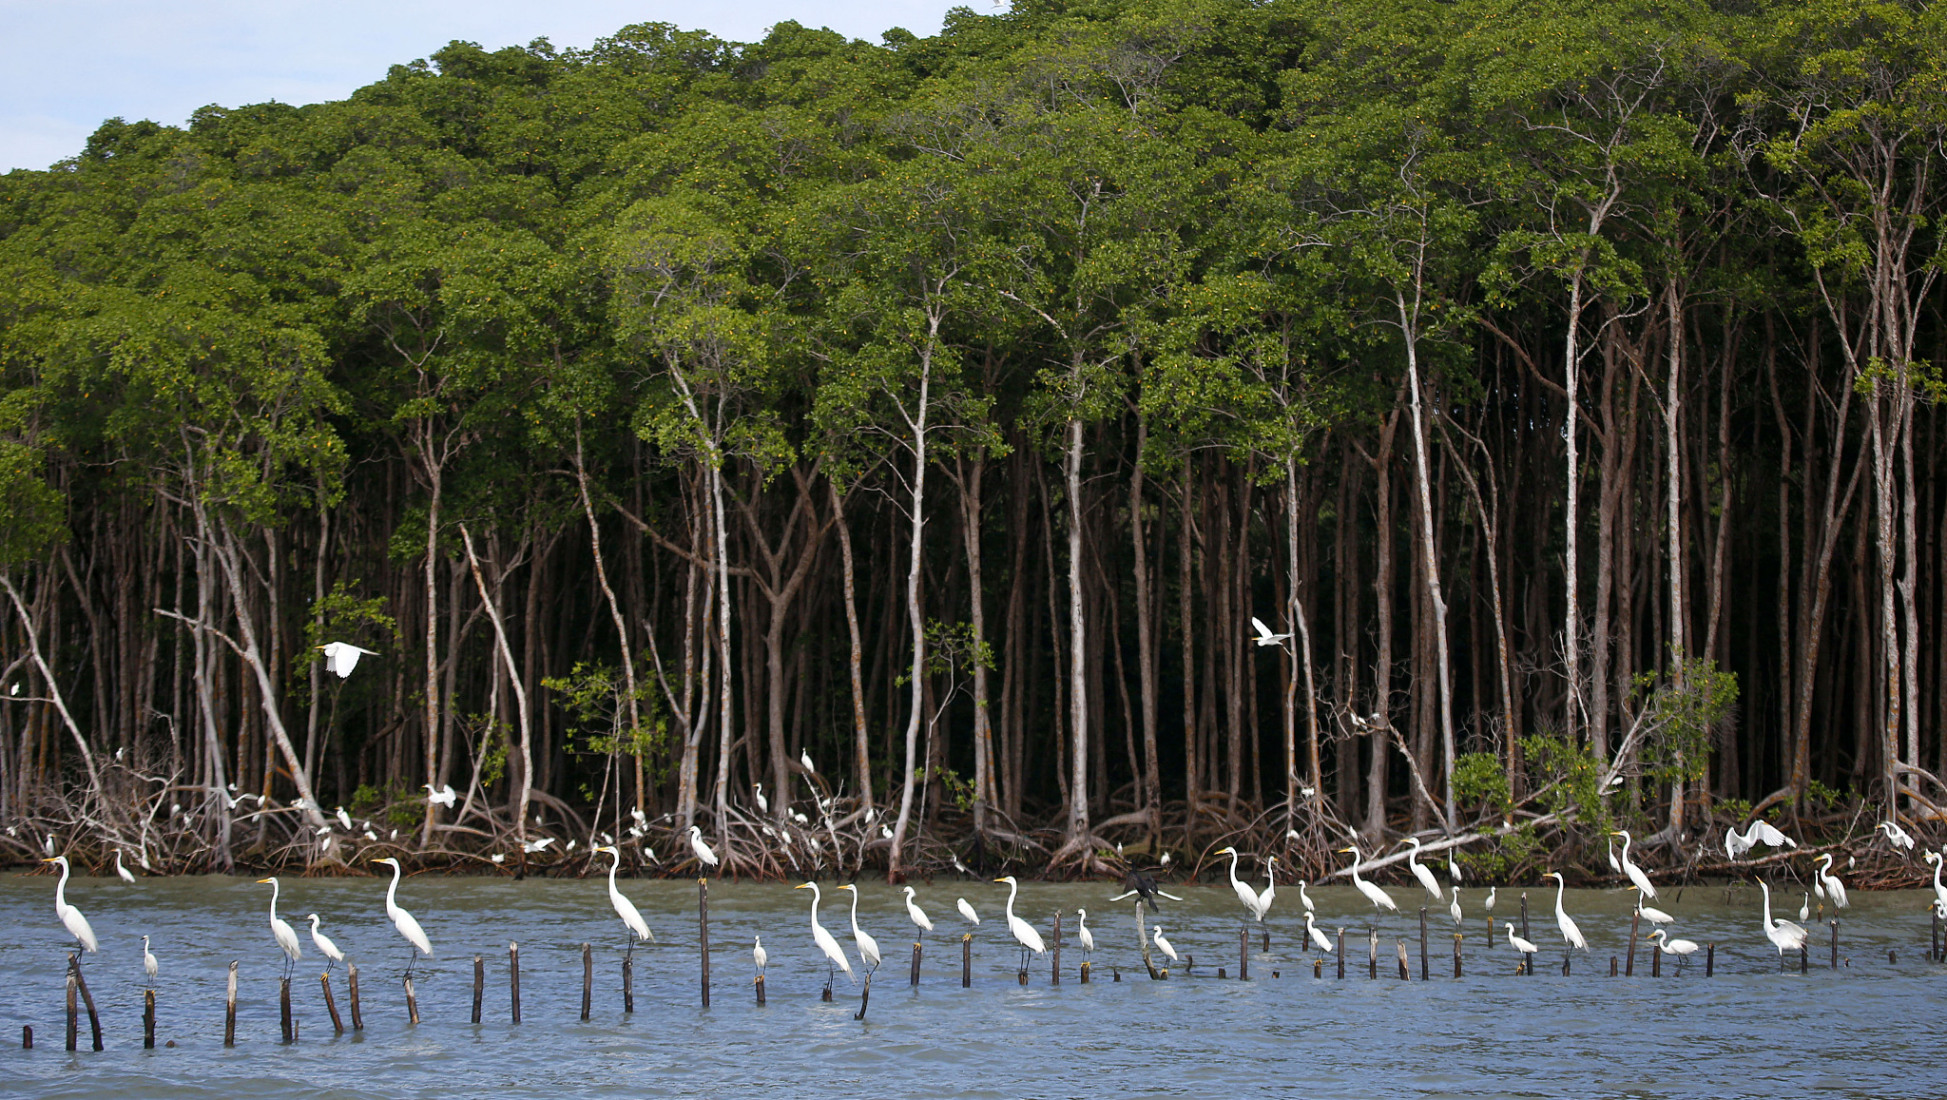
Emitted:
<point x="1868" y="1029"/>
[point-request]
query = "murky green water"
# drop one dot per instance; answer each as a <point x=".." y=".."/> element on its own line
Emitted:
<point x="1868" y="1029"/>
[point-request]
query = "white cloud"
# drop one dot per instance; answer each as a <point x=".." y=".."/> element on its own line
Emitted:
<point x="66" y="65"/>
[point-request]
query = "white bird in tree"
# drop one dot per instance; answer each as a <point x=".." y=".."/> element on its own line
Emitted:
<point x="344" y="817"/>
<point x="1570" y="932"/>
<point x="624" y="908"/>
<point x="1895" y="835"/>
<point x="281" y="930"/>
<point x="804" y="757"/>
<point x="122" y="872"/>
<point x="444" y="796"/>
<point x="1783" y="934"/>
<point x="1759" y="832"/>
<point x="323" y="943"/>
<point x="1424" y="874"/>
<point x="763" y="804"/>
<point x="1265" y="636"/>
<point x="1380" y="899"/>
<point x="1629" y="868"/>
<point x="1318" y="938"/>
<point x="342" y="657"/>
<point x="703" y="851"/>
<point x="71" y="918"/>
<point x="826" y="942"/>
<point x="967" y="911"/>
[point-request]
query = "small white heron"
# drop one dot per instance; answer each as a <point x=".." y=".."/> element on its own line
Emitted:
<point x="406" y="924"/>
<point x="1526" y="947"/>
<point x="71" y="918"/>
<point x="763" y="804"/>
<point x="918" y="915"/>
<point x="444" y="796"/>
<point x="1895" y="835"/>
<point x="624" y="908"/>
<point x="1651" y="913"/>
<point x="1758" y="832"/>
<point x="1081" y="931"/>
<point x="323" y="943"/>
<point x="1024" y="933"/>
<point x="824" y="939"/>
<point x="1163" y="945"/>
<point x="122" y="872"/>
<point x="703" y="851"/>
<point x="758" y="955"/>
<point x="280" y="929"/>
<point x="967" y="911"/>
<point x="1318" y="938"/>
<point x="868" y="947"/>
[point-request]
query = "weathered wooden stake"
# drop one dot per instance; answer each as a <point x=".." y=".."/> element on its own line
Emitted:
<point x="1372" y="954"/>
<point x="1456" y="954"/>
<point x="351" y="982"/>
<point x="230" y="1010"/>
<point x="479" y="984"/>
<point x="916" y="956"/>
<point x="412" y="1003"/>
<point x="1142" y="941"/>
<point x="1635" y="921"/>
<point x="74" y="1013"/>
<point x="1524" y="917"/>
<point x="760" y="988"/>
<point x="1835" y="943"/>
<point x="1085" y="971"/>
<point x="1341" y="954"/>
<point x="1615" y="965"/>
<point x="1804" y="958"/>
<point x="331" y="1005"/>
<point x="1243" y="954"/>
<point x="1710" y="959"/>
<point x="1656" y="964"/>
<point x="87" y="999"/>
<point x="1424" y="974"/>
<point x="1318" y="968"/>
<point x="284" y="1006"/>
<point x="587" y="980"/>
<point x="703" y="935"/>
<point x="628" y="983"/>
<point x="1266" y="930"/>
<point x="27" y="1036"/>
<point x="514" y="976"/>
<point x="1565" y="958"/>
<point x="865" y="997"/>
<point x="1405" y="971"/>
<point x="966" y="960"/>
<point x="1054" y="974"/>
<point x="148" y="1019"/>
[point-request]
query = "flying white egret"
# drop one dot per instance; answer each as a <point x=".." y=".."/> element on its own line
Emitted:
<point x="624" y="908"/>
<point x="1682" y="949"/>
<point x="1782" y="933"/>
<point x="1304" y="898"/>
<point x="1650" y="913"/>
<point x="703" y="851"/>
<point x="868" y="947"/>
<point x="1024" y="933"/>
<point x="1244" y="892"/>
<point x="1895" y="835"/>
<point x="71" y="918"/>
<point x="444" y="796"/>
<point x="1156" y="934"/>
<point x="1453" y="907"/>
<point x="1566" y="923"/>
<point x="1833" y="888"/>
<point x="1634" y="872"/>
<point x="1318" y="938"/>
<point x="402" y="920"/>
<point x="1526" y="947"/>
<point x="122" y="872"/>
<point x="758" y="955"/>
<point x="1087" y="937"/>
<point x="763" y="804"/>
<point x="285" y="935"/>
<point x="1265" y="636"/>
<point x="917" y="914"/>
<point x="323" y="943"/>
<point x="1759" y="832"/>
<point x="1380" y="899"/>
<point x="342" y="657"/>
<point x="1425" y="875"/>
<point x="825" y="941"/>
<point x="967" y="911"/>
<point x="148" y="960"/>
<point x="533" y="846"/>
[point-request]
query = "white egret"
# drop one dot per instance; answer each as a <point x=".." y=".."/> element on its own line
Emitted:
<point x="1805" y="907"/>
<point x="1682" y="949"/>
<point x="122" y="872"/>
<point x="825" y="941"/>
<point x="1833" y="888"/>
<point x="71" y="918"/>
<point x="280" y="929"/>
<point x="1024" y="933"/>
<point x="148" y="960"/>
<point x="1614" y="867"/>
<point x="1939" y="891"/>
<point x="763" y="804"/>
<point x="1264" y="635"/>
<point x="344" y="818"/>
<point x="1453" y="907"/>
<point x="1526" y="947"/>
<point x="1650" y="913"/>
<point x="323" y="943"/>
<point x="1304" y="898"/>
<point x="703" y="851"/>
<point x="1380" y="899"/>
<point x="758" y="955"/>
<point x="1759" y="832"/>
<point x="1318" y="938"/>
<point x="47" y="846"/>
<point x="967" y="911"/>
<point x="1453" y="869"/>
<point x="1270" y="891"/>
<point x="1630" y="869"/>
<point x="804" y="757"/>
<point x="533" y="846"/>
<point x="1244" y="892"/>
<point x="1081" y="930"/>
<point x="1895" y="835"/>
<point x="868" y="947"/>
<point x="1163" y="945"/>
<point x="402" y="920"/>
<point x="1782" y="933"/>
<point x="917" y="914"/>
<point x="624" y="908"/>
<point x="342" y="657"/>
<point x="1489" y="903"/>
<point x="444" y="796"/>
<point x="1420" y="872"/>
<point x="1566" y="923"/>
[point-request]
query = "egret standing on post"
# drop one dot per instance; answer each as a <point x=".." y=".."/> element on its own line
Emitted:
<point x="71" y="918"/>
<point x="148" y="960"/>
<point x="1570" y="933"/>
<point x="285" y="935"/>
<point x="624" y="908"/>
<point x="703" y="851"/>
<point x="825" y="941"/>
<point x="324" y="945"/>
<point x="917" y="914"/>
<point x="868" y="947"/>
<point x="1380" y="899"/>
<point x="1081" y="931"/>
<point x="1024" y="933"/>
<point x="402" y="920"/>
<point x="1424" y="874"/>
<point x="967" y="911"/>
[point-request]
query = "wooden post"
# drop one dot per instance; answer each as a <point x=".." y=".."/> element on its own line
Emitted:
<point x="1085" y="971"/>
<point x="284" y="1006"/>
<point x="74" y="1011"/>
<point x="1656" y="963"/>
<point x="148" y="1019"/>
<point x="1423" y="966"/>
<point x="1142" y="941"/>
<point x="87" y="999"/>
<point x="514" y="976"/>
<point x="1710" y="959"/>
<point x="1456" y="954"/>
<point x="331" y="1005"/>
<point x="1243" y="954"/>
<point x="1804" y="957"/>
<point x="1835" y="943"/>
<point x="628" y="983"/>
<point x="351" y="982"/>
<point x="966" y="960"/>
<point x="1565" y="957"/>
<point x="1405" y="972"/>
<point x="230" y="1010"/>
<point x="865" y="996"/>
<point x="1372" y="954"/>
<point x="1054" y="974"/>
<point x="1266" y="929"/>
<point x="1933" y="948"/>
<point x="587" y="980"/>
<point x="412" y="1003"/>
<point x="27" y="1036"/>
<point x="703" y="936"/>
<point x="1614" y="965"/>
<point x="1524" y="918"/>
<point x="759" y="983"/>
<point x="479" y="985"/>
<point x="1318" y="968"/>
<point x="1635" y="921"/>
<point x="1341" y="954"/>
<point x="916" y="955"/>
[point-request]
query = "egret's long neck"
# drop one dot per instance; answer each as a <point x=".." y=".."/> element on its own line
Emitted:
<point x="392" y="891"/>
<point x="855" y="911"/>
<point x="1768" y="922"/>
<point x="814" y="905"/>
<point x="273" y="900"/>
<point x="1355" y="866"/>
<point x="1561" y="885"/>
<point x="1014" y="886"/>
<point x="1233" y="866"/>
<point x="612" y="868"/>
<point x="61" y="887"/>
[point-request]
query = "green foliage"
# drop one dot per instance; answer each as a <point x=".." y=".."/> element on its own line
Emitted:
<point x="596" y="698"/>
<point x="1507" y="857"/>
<point x="1679" y="716"/>
<point x="1480" y="780"/>
<point x="1570" y="775"/>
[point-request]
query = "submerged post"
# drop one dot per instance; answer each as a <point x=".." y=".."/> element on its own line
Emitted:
<point x="412" y="1003"/>
<point x="284" y="1006"/>
<point x="1710" y="959"/>
<point x="148" y="1019"/>
<point x="1054" y="973"/>
<point x="1243" y="954"/>
<point x="703" y="935"/>
<point x="514" y="976"/>
<point x="1635" y="922"/>
<point x="479" y="984"/>
<point x="331" y="1005"/>
<point x="966" y="960"/>
<point x="1456" y="954"/>
<point x="230" y="1010"/>
<point x="87" y="1000"/>
<point x="587" y="980"/>
<point x="1341" y="954"/>
<point x="1423" y="965"/>
<point x="916" y="954"/>
<point x="1405" y="971"/>
<point x="351" y="981"/>
<point x="1656" y="963"/>
<point x="1835" y="943"/>
<point x="628" y="983"/>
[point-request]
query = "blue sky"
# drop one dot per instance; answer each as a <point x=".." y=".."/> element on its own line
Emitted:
<point x="65" y="65"/>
